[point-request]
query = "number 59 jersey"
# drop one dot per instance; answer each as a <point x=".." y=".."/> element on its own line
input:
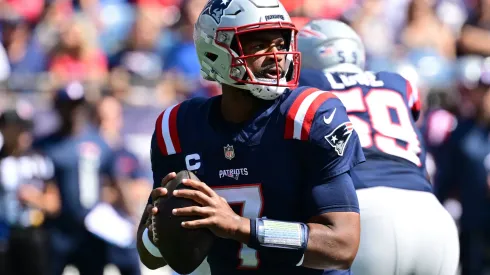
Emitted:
<point x="383" y="108"/>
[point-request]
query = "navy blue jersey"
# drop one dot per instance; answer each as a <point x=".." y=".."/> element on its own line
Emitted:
<point x="383" y="108"/>
<point x="464" y="168"/>
<point x="81" y="163"/>
<point x="274" y="165"/>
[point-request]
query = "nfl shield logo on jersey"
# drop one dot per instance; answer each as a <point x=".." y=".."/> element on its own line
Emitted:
<point x="229" y="152"/>
<point x="339" y="137"/>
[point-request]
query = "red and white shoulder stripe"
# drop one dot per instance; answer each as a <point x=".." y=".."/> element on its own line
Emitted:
<point x="413" y="96"/>
<point x="302" y="112"/>
<point x="166" y="131"/>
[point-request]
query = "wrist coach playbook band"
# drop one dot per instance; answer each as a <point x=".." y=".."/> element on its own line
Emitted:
<point x="278" y="240"/>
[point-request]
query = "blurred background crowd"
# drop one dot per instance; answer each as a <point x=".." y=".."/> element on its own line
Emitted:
<point x="118" y="63"/>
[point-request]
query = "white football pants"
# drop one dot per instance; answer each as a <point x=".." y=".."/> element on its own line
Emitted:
<point x="405" y="232"/>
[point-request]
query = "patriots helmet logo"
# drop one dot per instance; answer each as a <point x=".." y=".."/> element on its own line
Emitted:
<point x="339" y="137"/>
<point x="216" y="9"/>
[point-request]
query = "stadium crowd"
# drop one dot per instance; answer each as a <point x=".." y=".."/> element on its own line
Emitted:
<point x="115" y="64"/>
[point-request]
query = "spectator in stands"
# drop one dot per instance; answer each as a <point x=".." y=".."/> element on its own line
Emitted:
<point x="132" y="183"/>
<point x="141" y="55"/>
<point x="27" y="196"/>
<point x="77" y="57"/>
<point x="369" y="22"/>
<point x="475" y="34"/>
<point x="181" y="65"/>
<point x="30" y="12"/>
<point x="26" y="56"/>
<point x="424" y="30"/>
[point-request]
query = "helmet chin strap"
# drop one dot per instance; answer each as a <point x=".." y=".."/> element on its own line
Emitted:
<point x="251" y="87"/>
<point x="263" y="82"/>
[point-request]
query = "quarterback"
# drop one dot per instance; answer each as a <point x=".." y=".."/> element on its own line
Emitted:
<point x="275" y="160"/>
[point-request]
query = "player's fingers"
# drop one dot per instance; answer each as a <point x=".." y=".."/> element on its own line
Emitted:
<point x="154" y="209"/>
<point x="168" y="177"/>
<point x="197" y="223"/>
<point x="200" y="186"/>
<point x="149" y="209"/>
<point x="158" y="192"/>
<point x="192" y="211"/>
<point x="194" y="195"/>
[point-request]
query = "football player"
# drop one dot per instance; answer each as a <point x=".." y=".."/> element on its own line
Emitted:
<point x="463" y="170"/>
<point x="262" y="149"/>
<point x="83" y="163"/>
<point x="405" y="230"/>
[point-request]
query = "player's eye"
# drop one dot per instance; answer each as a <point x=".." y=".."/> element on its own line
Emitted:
<point x="258" y="47"/>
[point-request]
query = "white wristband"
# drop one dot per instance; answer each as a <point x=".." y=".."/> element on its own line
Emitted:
<point x="149" y="245"/>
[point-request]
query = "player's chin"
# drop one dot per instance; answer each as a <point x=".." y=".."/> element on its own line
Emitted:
<point x="272" y="75"/>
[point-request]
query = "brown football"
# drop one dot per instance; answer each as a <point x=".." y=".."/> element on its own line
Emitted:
<point x="183" y="249"/>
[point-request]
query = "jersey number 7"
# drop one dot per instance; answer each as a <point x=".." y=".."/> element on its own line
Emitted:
<point x="395" y="138"/>
<point x="249" y="197"/>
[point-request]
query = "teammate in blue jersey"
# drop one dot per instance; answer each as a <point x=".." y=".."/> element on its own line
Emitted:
<point x="262" y="149"/>
<point x="463" y="171"/>
<point x="404" y="228"/>
<point x="82" y="163"/>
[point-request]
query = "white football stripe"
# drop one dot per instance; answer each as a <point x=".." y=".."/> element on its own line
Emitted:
<point x="166" y="130"/>
<point x="300" y="115"/>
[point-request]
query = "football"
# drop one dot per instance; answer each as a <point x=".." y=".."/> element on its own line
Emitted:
<point x="183" y="249"/>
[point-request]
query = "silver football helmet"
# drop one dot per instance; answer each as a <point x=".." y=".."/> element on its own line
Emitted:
<point x="331" y="45"/>
<point x="217" y="40"/>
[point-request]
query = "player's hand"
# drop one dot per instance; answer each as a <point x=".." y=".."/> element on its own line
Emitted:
<point x="216" y="213"/>
<point x="157" y="193"/>
<point x="161" y="191"/>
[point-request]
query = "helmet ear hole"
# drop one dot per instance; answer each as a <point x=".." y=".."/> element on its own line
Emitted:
<point x="289" y="74"/>
<point x="211" y="56"/>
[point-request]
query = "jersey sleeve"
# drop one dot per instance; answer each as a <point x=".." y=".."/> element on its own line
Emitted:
<point x="319" y="119"/>
<point x="160" y="164"/>
<point x="330" y="148"/>
<point x="413" y="99"/>
<point x="165" y="145"/>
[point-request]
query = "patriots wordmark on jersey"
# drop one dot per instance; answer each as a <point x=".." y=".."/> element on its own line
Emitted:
<point x="273" y="166"/>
